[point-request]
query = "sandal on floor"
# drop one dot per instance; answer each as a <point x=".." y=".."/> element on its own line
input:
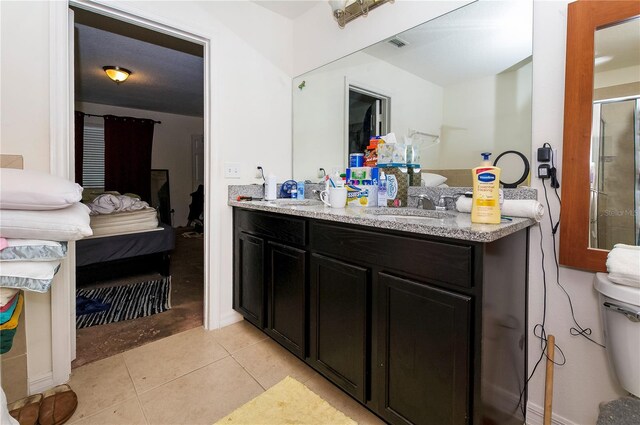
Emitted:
<point x="26" y="410"/>
<point x="57" y="406"/>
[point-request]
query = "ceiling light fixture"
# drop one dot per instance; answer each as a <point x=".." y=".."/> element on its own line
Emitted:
<point x="116" y="73"/>
<point x="345" y="11"/>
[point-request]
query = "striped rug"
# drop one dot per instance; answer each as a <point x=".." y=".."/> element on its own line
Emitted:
<point x="127" y="302"/>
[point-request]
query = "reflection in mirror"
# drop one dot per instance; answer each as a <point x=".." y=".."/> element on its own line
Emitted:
<point x="463" y="79"/>
<point x="614" y="214"/>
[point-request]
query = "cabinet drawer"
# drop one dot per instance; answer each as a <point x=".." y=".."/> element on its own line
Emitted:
<point x="431" y="260"/>
<point x="282" y="228"/>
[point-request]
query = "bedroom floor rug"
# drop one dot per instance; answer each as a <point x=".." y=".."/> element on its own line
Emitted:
<point x="126" y="302"/>
<point x="287" y="402"/>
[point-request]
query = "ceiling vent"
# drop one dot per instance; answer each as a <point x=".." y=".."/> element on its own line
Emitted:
<point x="398" y="42"/>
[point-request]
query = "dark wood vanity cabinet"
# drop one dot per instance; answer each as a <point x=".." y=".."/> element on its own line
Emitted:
<point x="424" y="337"/>
<point x="249" y="277"/>
<point x="339" y="312"/>
<point x="286" y="289"/>
<point x="421" y="330"/>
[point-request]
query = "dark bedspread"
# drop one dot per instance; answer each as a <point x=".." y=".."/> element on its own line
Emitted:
<point x="109" y="248"/>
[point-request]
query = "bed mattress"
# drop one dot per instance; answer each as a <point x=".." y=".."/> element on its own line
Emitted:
<point x="124" y="222"/>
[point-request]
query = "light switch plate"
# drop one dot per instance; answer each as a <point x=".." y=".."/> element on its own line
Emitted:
<point x="232" y="170"/>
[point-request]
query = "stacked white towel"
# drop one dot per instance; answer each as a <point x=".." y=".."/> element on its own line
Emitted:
<point x="623" y="265"/>
<point x="529" y="208"/>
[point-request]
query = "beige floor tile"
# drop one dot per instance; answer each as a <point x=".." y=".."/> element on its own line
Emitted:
<point x="341" y="401"/>
<point x="101" y="384"/>
<point x="269" y="363"/>
<point x="161" y="361"/>
<point x="238" y="336"/>
<point x="201" y="397"/>
<point x="125" y="413"/>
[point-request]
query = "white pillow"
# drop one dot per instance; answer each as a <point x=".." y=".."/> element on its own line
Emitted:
<point x="33" y="250"/>
<point x="67" y="224"/>
<point x="432" y="180"/>
<point x="30" y="275"/>
<point x="33" y="191"/>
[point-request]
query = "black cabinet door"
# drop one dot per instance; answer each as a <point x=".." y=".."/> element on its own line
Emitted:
<point x="286" y="296"/>
<point x="423" y="358"/>
<point x="248" y="288"/>
<point x="338" y="323"/>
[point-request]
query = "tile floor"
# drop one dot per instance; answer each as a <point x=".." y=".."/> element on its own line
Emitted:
<point x="194" y="377"/>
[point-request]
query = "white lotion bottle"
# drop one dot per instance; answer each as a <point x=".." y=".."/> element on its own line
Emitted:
<point x="270" y="186"/>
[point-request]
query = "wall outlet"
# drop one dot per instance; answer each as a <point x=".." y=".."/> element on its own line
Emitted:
<point x="232" y="170"/>
<point x="537" y="164"/>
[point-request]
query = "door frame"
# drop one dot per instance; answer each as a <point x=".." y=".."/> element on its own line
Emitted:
<point x="61" y="102"/>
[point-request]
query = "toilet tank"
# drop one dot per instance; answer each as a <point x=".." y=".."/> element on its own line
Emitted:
<point x="620" y="312"/>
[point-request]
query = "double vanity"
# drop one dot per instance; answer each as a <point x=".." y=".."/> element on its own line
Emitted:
<point x="419" y="315"/>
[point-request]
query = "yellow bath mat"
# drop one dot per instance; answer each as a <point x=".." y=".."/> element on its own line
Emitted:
<point x="288" y="402"/>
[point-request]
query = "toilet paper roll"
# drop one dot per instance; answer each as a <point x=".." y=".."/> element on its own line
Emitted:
<point x="529" y="208"/>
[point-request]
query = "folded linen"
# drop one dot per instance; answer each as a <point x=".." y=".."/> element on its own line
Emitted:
<point x="13" y="322"/>
<point x="29" y="275"/>
<point x="528" y="208"/>
<point x="9" y="304"/>
<point x="6" y="315"/>
<point x="65" y="224"/>
<point x="108" y="203"/>
<point x="33" y="250"/>
<point x="623" y="265"/>
<point x="6" y="295"/>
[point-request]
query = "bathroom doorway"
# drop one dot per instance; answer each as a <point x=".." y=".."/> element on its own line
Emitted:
<point x="367" y="116"/>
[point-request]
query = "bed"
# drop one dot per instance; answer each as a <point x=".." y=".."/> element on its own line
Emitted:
<point x="124" y="243"/>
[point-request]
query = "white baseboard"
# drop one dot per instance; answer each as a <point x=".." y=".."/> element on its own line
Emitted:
<point x="41" y="383"/>
<point x="535" y="416"/>
<point x="229" y="319"/>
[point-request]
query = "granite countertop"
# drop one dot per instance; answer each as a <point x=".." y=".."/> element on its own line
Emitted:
<point x="449" y="224"/>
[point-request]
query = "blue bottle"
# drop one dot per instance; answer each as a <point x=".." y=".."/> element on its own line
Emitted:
<point x="300" y="188"/>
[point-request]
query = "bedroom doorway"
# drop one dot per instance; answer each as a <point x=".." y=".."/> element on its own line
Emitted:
<point x="141" y="277"/>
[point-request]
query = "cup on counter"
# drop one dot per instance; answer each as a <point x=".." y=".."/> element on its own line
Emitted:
<point x="335" y="197"/>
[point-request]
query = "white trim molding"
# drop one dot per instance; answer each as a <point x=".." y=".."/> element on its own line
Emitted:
<point x="61" y="106"/>
<point x="41" y="383"/>
<point x="535" y="416"/>
<point x="61" y="153"/>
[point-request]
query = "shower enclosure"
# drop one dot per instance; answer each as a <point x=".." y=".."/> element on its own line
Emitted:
<point x="615" y="173"/>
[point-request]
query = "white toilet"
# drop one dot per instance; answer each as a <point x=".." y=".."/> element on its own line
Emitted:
<point x="620" y="309"/>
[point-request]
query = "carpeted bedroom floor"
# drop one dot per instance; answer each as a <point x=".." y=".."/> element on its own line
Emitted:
<point x="187" y="293"/>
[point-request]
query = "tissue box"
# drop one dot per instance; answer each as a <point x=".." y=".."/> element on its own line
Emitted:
<point x="397" y="186"/>
<point x="362" y="195"/>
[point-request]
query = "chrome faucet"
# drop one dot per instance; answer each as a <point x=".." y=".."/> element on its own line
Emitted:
<point x="317" y="193"/>
<point x="426" y="202"/>
<point x="442" y="202"/>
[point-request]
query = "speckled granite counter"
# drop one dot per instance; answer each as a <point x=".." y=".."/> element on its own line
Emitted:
<point x="451" y="224"/>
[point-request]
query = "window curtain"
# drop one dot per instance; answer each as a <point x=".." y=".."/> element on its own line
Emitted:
<point x="79" y="145"/>
<point x="127" y="155"/>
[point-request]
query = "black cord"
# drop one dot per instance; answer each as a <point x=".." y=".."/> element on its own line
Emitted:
<point x="541" y="333"/>
<point x="576" y="330"/>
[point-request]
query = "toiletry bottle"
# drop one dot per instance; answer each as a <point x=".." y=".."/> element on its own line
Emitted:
<point x="270" y="186"/>
<point x="300" y="187"/>
<point x="485" y="205"/>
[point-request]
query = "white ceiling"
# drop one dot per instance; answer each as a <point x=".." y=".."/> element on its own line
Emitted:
<point x="487" y="36"/>
<point x="618" y="46"/>
<point x="163" y="79"/>
<point x="290" y="9"/>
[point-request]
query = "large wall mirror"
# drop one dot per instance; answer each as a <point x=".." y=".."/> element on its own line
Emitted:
<point x="601" y="147"/>
<point x="459" y="85"/>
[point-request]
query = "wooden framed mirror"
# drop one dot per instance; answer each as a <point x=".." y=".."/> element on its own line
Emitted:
<point x="582" y="244"/>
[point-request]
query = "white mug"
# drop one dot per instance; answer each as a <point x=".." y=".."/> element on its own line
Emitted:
<point x="336" y="197"/>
